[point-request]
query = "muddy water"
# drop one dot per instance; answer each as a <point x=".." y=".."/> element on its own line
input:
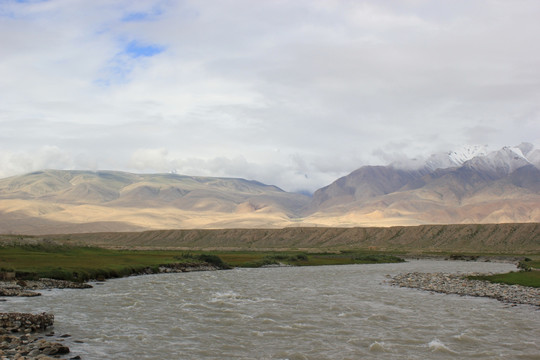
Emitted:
<point x="332" y="312"/>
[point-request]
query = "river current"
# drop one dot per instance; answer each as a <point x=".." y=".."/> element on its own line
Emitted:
<point x="327" y="312"/>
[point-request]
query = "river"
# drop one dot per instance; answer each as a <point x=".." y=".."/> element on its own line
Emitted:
<point x="327" y="312"/>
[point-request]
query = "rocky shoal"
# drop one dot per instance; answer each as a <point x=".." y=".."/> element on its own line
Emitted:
<point x="26" y="287"/>
<point x="459" y="284"/>
<point x="21" y="337"/>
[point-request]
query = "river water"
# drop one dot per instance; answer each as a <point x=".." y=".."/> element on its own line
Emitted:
<point x="328" y="312"/>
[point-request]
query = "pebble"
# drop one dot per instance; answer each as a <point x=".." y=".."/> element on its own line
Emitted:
<point x="458" y="284"/>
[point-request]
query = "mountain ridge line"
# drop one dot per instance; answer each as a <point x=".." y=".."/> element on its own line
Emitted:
<point x="475" y="187"/>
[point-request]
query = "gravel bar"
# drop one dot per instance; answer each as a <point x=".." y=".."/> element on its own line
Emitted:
<point x="460" y="285"/>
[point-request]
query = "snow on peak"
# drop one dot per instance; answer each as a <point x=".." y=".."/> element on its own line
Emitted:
<point x="455" y="158"/>
<point x="466" y="153"/>
<point x="503" y="161"/>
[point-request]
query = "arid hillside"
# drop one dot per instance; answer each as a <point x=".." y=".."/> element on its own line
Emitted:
<point x="55" y="201"/>
<point x="487" y="238"/>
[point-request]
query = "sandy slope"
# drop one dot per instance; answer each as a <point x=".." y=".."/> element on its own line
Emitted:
<point x="490" y="238"/>
<point x="82" y="201"/>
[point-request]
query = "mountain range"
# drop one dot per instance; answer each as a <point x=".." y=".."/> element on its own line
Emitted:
<point x="471" y="185"/>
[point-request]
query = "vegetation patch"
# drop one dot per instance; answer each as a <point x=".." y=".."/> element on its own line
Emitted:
<point x="213" y="260"/>
<point x="528" y="264"/>
<point x="87" y="263"/>
<point x="462" y="257"/>
<point x="81" y="264"/>
<point x="294" y="258"/>
<point x="525" y="278"/>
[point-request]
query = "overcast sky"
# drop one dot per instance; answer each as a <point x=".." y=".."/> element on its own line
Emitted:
<point x="294" y="93"/>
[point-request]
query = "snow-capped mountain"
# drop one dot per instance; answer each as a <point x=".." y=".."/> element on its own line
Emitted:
<point x="466" y="153"/>
<point x="470" y="185"/>
<point x="502" y="162"/>
<point x="454" y="158"/>
<point x="499" y="162"/>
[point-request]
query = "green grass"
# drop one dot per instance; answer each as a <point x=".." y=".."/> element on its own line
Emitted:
<point x="529" y="264"/>
<point x="295" y="258"/>
<point x="85" y="263"/>
<point x="525" y="278"/>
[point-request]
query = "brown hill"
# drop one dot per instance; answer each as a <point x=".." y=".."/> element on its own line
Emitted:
<point x="487" y="238"/>
<point x="76" y="201"/>
<point x="444" y="196"/>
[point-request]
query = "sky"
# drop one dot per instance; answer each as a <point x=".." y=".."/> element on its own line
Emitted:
<point x="290" y="93"/>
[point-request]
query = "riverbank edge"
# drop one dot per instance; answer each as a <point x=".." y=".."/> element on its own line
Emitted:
<point x="28" y="288"/>
<point x="459" y="284"/>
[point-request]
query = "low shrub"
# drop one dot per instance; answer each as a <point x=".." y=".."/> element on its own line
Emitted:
<point x="299" y="257"/>
<point x="213" y="260"/>
<point x="524" y="266"/>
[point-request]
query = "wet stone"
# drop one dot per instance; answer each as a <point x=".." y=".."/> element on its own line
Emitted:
<point x="23" y="341"/>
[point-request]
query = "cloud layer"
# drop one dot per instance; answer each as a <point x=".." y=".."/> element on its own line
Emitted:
<point x="292" y="93"/>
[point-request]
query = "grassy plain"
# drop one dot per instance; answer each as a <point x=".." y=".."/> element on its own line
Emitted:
<point x="84" y="263"/>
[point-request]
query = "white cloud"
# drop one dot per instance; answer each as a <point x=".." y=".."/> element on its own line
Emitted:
<point x="291" y="93"/>
<point x="293" y="173"/>
<point x="151" y="159"/>
<point x="46" y="157"/>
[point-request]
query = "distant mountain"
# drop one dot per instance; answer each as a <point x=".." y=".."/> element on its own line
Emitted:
<point x="471" y="185"/>
<point x="52" y="200"/>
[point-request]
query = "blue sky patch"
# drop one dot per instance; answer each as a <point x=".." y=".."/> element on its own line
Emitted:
<point x="152" y="14"/>
<point x="136" y="49"/>
<point x="136" y="16"/>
